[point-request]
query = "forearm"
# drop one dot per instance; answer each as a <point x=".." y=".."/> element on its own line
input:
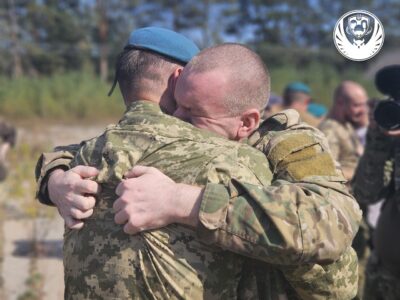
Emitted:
<point x="188" y="204"/>
<point x="282" y="224"/>
<point x="60" y="159"/>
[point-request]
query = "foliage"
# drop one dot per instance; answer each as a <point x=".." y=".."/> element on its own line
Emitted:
<point x="65" y="96"/>
<point x="322" y="78"/>
<point x="60" y="52"/>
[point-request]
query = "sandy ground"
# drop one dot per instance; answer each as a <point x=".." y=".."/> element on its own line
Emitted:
<point x="19" y="231"/>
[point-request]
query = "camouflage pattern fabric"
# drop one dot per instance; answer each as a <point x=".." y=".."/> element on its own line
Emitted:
<point x="330" y="180"/>
<point x="300" y="153"/>
<point x="309" y="119"/>
<point x="307" y="201"/>
<point x="344" y="144"/>
<point x="347" y="148"/>
<point x="170" y="263"/>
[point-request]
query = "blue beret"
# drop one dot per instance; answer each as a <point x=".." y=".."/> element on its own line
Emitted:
<point x="166" y="42"/>
<point x="317" y="110"/>
<point x="298" y="87"/>
<point x="163" y="41"/>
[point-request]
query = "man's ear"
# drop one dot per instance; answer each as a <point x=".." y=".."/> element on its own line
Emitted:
<point x="173" y="79"/>
<point x="250" y="120"/>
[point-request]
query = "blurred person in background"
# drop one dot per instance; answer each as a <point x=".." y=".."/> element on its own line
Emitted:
<point x="274" y="105"/>
<point x="8" y="136"/>
<point x="297" y="95"/>
<point x="376" y="178"/>
<point x="349" y="112"/>
<point x="345" y="122"/>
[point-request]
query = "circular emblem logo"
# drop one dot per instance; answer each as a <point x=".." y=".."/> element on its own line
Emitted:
<point x="358" y="35"/>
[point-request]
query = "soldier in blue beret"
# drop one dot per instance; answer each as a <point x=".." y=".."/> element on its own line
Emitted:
<point x="101" y="261"/>
<point x="164" y="42"/>
<point x="297" y="95"/>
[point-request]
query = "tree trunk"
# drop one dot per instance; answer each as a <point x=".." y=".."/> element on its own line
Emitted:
<point x="103" y="26"/>
<point x="14" y="29"/>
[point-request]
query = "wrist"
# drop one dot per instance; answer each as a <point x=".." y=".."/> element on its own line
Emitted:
<point x="53" y="181"/>
<point x="188" y="200"/>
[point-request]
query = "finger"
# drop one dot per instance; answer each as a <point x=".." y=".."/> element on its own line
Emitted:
<point x="72" y="223"/>
<point x="121" y="217"/>
<point x="130" y="229"/>
<point x="79" y="214"/>
<point x="122" y="186"/>
<point x="83" y="203"/>
<point x="77" y="225"/>
<point x="393" y="133"/>
<point x="87" y="186"/>
<point x="85" y="171"/>
<point x="137" y="171"/>
<point x="118" y="205"/>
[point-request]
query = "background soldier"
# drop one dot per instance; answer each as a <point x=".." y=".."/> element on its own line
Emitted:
<point x="297" y="95"/>
<point x="7" y="140"/>
<point x="348" y="114"/>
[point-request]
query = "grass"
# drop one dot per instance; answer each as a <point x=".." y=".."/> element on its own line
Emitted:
<point x="321" y="78"/>
<point x="83" y="96"/>
<point x="20" y="183"/>
<point x="62" y="96"/>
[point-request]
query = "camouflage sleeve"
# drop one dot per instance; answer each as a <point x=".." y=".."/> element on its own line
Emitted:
<point x="374" y="171"/>
<point x="338" y="280"/>
<point x="59" y="159"/>
<point x="285" y="223"/>
<point x="306" y="215"/>
<point x="333" y="140"/>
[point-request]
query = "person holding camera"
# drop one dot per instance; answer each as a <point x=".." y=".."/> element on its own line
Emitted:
<point x="378" y="177"/>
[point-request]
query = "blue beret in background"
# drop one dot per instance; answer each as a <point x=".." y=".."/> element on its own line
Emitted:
<point x="298" y="87"/>
<point x="317" y="110"/>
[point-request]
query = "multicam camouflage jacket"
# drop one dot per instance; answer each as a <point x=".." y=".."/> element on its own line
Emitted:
<point x="102" y="261"/>
<point x="330" y="206"/>
<point x="307" y="178"/>
<point x="344" y="144"/>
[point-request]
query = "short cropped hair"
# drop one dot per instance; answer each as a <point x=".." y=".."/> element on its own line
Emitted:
<point x="142" y="70"/>
<point x="249" y="80"/>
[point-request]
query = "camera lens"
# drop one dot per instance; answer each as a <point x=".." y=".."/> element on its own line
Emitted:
<point x="387" y="115"/>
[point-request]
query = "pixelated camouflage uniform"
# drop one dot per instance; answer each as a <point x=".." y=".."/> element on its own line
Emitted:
<point x="273" y="248"/>
<point x="346" y="149"/>
<point x="102" y="261"/>
<point x="378" y="176"/>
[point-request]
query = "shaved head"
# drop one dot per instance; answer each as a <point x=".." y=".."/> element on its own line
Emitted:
<point x="348" y="90"/>
<point x="244" y="71"/>
<point x="350" y="103"/>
